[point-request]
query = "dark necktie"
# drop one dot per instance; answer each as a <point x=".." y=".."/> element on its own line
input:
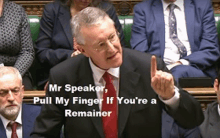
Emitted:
<point x="110" y="123"/>
<point x="173" y="32"/>
<point x="13" y="128"/>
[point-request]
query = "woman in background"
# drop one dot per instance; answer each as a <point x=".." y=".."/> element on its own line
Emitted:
<point x="55" y="41"/>
<point x="16" y="46"/>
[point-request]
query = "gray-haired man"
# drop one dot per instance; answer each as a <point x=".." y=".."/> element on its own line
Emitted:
<point x="16" y="119"/>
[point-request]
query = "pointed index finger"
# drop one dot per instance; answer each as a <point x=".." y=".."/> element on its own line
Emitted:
<point x="153" y="66"/>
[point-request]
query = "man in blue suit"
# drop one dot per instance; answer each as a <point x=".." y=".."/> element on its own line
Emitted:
<point x="16" y="119"/>
<point x="182" y="32"/>
<point x="170" y="128"/>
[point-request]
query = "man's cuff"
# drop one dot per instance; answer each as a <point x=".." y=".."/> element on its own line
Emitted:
<point x="1" y="64"/>
<point x="184" y="62"/>
<point x="173" y="102"/>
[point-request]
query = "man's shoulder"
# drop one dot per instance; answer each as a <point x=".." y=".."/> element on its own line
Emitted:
<point x="212" y="106"/>
<point x="145" y="4"/>
<point x="201" y="4"/>
<point x="31" y="107"/>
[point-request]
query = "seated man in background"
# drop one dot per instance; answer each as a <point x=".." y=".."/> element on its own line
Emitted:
<point x="211" y="125"/>
<point x="182" y="32"/>
<point x="170" y="129"/>
<point x="125" y="74"/>
<point x="16" y="119"/>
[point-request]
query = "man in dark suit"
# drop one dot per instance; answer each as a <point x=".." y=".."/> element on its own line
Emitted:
<point x="14" y="114"/>
<point x="138" y="91"/>
<point x="182" y="32"/>
<point x="210" y="127"/>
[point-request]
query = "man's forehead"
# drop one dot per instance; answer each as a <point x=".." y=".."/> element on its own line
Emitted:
<point x="106" y="22"/>
<point x="13" y="78"/>
<point x="9" y="76"/>
<point x="95" y="30"/>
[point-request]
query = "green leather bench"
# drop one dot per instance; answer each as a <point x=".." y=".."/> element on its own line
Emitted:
<point x="34" y="22"/>
<point x="126" y="23"/>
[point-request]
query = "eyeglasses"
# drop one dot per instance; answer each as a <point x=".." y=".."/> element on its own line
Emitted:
<point x="4" y="92"/>
<point x="103" y="46"/>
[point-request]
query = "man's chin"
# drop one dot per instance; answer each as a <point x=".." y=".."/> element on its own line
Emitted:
<point x="118" y="64"/>
<point x="10" y="111"/>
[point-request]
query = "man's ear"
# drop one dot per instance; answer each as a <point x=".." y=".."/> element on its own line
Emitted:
<point x="22" y="91"/>
<point x="82" y="50"/>
<point x="216" y="85"/>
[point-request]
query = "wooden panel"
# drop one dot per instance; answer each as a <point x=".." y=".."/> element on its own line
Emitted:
<point x="203" y="95"/>
<point x="33" y="7"/>
<point x="29" y="95"/>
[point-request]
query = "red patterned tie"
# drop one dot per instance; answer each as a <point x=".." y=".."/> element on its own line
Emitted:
<point x="13" y="128"/>
<point x="110" y="123"/>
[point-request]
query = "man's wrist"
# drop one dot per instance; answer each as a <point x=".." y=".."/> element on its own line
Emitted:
<point x="173" y="102"/>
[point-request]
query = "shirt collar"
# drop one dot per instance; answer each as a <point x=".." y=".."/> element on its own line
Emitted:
<point x="98" y="73"/>
<point x="6" y="121"/>
<point x="178" y="3"/>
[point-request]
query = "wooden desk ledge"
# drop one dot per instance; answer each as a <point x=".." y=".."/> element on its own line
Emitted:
<point x="31" y="94"/>
<point x="200" y="91"/>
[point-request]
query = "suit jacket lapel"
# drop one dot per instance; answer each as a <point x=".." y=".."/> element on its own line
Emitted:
<point x="159" y="18"/>
<point x="64" y="18"/>
<point x="86" y="79"/>
<point x="128" y="82"/>
<point x="2" y="130"/>
<point x="189" y="13"/>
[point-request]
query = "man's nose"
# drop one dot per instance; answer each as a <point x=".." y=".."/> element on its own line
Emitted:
<point x="10" y="96"/>
<point x="111" y="46"/>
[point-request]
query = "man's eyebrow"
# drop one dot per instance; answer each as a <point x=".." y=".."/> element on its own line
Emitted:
<point x="98" y="42"/>
<point x="111" y="34"/>
<point x="10" y="89"/>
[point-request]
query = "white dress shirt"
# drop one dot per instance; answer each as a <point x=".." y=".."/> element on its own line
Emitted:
<point x="173" y="102"/>
<point x="8" y="128"/>
<point x="171" y="53"/>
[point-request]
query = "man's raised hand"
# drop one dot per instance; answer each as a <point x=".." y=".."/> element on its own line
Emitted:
<point x="161" y="82"/>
